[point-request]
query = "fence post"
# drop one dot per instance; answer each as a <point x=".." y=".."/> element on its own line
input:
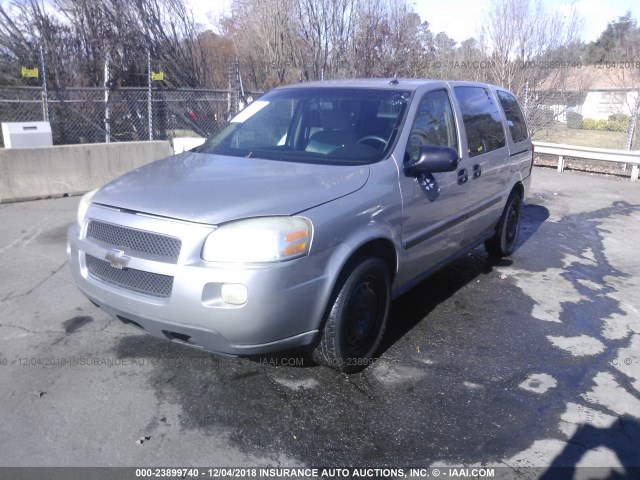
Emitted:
<point x="634" y="122"/>
<point x="107" y="123"/>
<point x="560" y="163"/>
<point x="149" y="102"/>
<point x="239" y="88"/>
<point x="634" y="173"/>
<point x="229" y="113"/>
<point x="45" y="90"/>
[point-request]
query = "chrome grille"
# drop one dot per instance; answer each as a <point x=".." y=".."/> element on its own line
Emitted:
<point x="147" y="283"/>
<point x="135" y="241"/>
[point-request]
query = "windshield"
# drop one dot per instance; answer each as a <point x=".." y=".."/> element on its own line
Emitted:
<point x="318" y="125"/>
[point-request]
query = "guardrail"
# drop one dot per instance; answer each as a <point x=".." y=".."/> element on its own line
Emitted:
<point x="629" y="157"/>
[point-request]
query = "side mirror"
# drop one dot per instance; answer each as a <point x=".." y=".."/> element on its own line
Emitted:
<point x="432" y="160"/>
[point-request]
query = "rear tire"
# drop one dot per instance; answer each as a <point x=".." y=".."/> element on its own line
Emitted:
<point x="504" y="241"/>
<point x="357" y="318"/>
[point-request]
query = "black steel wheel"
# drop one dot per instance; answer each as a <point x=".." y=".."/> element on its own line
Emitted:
<point x="357" y="318"/>
<point x="504" y="242"/>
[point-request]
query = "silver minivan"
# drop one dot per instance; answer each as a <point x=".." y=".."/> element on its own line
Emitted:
<point x="300" y="220"/>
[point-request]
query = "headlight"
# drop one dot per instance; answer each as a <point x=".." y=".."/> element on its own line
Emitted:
<point x="268" y="239"/>
<point x="85" y="201"/>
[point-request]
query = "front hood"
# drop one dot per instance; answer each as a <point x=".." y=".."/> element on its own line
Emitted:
<point x="213" y="189"/>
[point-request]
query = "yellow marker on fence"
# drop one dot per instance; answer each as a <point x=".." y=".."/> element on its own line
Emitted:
<point x="29" y="72"/>
<point x="157" y="76"/>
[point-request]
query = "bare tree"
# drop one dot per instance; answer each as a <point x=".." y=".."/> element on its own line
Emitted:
<point x="287" y="40"/>
<point x="518" y="32"/>
<point x="402" y="52"/>
<point x="260" y="31"/>
<point x="79" y="35"/>
<point x="323" y="29"/>
<point x="24" y="28"/>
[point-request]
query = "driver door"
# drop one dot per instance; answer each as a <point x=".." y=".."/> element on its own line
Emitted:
<point x="432" y="227"/>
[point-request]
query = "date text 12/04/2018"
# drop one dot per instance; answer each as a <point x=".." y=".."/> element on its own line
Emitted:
<point x="329" y="473"/>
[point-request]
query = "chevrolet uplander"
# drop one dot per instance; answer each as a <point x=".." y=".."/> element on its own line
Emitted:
<point x="298" y="222"/>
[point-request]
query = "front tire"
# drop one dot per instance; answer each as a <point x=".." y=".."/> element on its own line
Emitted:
<point x="505" y="239"/>
<point x="357" y="318"/>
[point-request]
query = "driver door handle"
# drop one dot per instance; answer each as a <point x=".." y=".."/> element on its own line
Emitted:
<point x="463" y="176"/>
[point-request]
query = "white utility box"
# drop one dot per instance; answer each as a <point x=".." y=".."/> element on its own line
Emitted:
<point x="26" y="134"/>
<point x="182" y="144"/>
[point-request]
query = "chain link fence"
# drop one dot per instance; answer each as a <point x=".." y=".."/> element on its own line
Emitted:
<point x="558" y="125"/>
<point x="94" y="115"/>
<point x="614" y="131"/>
<point x="22" y="104"/>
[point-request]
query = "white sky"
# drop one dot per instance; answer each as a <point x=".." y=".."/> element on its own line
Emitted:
<point x="460" y="18"/>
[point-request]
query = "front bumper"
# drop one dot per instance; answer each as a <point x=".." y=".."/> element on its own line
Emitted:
<point x="283" y="309"/>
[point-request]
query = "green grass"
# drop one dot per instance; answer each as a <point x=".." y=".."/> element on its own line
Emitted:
<point x="585" y="138"/>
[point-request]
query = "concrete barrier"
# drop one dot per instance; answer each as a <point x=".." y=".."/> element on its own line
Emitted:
<point x="31" y="173"/>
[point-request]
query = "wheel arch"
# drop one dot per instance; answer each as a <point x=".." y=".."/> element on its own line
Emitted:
<point x="382" y="248"/>
<point x="518" y="187"/>
<point x="379" y="247"/>
<point x="346" y="257"/>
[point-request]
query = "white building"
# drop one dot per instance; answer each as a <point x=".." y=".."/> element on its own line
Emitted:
<point x="592" y="91"/>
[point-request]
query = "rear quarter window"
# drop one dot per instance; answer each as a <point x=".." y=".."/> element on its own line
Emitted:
<point x="515" y="118"/>
<point x="481" y="118"/>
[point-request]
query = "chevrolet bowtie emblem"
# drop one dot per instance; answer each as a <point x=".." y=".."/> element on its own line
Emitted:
<point x="117" y="259"/>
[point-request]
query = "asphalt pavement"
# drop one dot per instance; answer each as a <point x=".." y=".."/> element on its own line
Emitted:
<point x="527" y="362"/>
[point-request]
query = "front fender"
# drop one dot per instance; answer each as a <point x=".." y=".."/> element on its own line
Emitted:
<point x="344" y="226"/>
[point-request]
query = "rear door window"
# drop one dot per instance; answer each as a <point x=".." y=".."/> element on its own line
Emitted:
<point x="515" y="118"/>
<point x="481" y="118"/>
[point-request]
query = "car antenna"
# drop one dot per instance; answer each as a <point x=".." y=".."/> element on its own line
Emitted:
<point x="395" y="80"/>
